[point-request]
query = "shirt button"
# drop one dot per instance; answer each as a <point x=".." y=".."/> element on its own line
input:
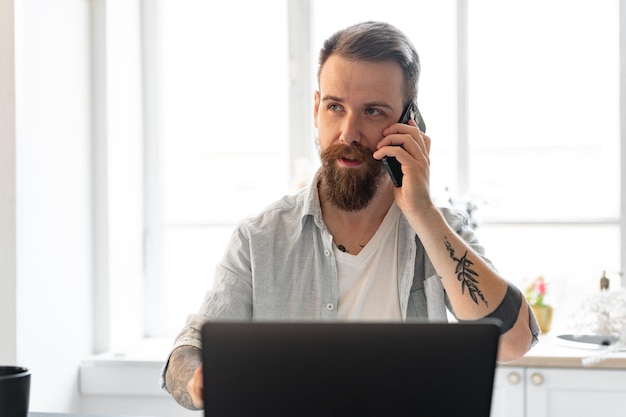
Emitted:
<point x="329" y="307"/>
<point x="327" y="252"/>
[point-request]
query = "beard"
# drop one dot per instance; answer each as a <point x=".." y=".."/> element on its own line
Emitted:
<point x="347" y="188"/>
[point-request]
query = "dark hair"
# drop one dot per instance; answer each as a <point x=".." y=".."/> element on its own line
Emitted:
<point x="375" y="41"/>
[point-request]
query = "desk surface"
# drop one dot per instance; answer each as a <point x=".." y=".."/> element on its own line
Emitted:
<point x="40" y="414"/>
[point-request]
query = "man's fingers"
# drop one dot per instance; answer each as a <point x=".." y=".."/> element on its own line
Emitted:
<point x="195" y="388"/>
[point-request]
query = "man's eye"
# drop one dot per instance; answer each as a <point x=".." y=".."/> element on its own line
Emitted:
<point x="334" y="107"/>
<point x="372" y="112"/>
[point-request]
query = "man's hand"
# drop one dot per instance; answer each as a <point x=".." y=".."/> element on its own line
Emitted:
<point x="413" y="153"/>
<point x="183" y="377"/>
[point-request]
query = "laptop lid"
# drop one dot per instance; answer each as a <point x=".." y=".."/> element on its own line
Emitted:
<point x="348" y="368"/>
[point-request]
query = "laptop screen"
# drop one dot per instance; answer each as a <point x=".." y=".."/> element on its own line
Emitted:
<point x="348" y="368"/>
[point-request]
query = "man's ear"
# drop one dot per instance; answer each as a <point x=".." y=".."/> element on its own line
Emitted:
<point x="316" y="106"/>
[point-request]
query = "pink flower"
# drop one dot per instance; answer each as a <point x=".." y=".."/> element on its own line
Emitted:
<point x="541" y="287"/>
<point x="536" y="291"/>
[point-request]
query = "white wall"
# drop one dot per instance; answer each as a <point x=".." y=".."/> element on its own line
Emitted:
<point x="46" y="229"/>
<point x="8" y="241"/>
<point x="53" y="185"/>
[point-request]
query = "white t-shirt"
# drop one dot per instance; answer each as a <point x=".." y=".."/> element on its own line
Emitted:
<point x="368" y="281"/>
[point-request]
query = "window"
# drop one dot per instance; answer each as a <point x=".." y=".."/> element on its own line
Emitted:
<point x="521" y="100"/>
<point x="221" y="123"/>
<point x="543" y="111"/>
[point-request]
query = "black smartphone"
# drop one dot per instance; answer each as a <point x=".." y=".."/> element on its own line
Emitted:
<point x="393" y="167"/>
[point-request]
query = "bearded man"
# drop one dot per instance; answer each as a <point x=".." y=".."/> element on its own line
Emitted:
<point x="353" y="245"/>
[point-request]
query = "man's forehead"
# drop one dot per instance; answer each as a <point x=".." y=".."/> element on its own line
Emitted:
<point x="370" y="82"/>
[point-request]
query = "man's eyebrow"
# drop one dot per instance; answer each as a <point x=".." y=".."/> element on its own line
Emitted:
<point x="380" y="104"/>
<point x="332" y="98"/>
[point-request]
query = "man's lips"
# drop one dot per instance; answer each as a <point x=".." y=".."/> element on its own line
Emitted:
<point x="350" y="161"/>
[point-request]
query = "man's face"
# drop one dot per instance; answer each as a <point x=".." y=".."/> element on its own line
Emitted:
<point x="356" y="102"/>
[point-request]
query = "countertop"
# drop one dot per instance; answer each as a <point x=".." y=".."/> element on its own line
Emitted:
<point x="549" y="352"/>
<point x="552" y="352"/>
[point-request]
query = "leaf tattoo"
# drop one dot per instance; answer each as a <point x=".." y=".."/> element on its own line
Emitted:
<point x="466" y="274"/>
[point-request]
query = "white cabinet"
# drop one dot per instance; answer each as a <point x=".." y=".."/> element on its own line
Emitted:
<point x="559" y="392"/>
<point x="509" y="395"/>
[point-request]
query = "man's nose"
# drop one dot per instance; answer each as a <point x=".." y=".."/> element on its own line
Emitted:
<point x="350" y="129"/>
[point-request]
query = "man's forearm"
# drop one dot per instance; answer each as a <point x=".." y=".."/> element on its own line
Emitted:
<point x="181" y="367"/>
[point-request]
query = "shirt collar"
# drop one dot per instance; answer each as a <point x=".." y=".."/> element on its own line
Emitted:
<point x="312" y="207"/>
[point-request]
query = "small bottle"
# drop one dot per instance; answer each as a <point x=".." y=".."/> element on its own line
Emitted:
<point x="604" y="282"/>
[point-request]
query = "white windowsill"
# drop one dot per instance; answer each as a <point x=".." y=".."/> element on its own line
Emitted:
<point x="134" y="372"/>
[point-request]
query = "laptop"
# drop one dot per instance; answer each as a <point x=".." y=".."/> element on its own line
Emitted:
<point x="296" y="369"/>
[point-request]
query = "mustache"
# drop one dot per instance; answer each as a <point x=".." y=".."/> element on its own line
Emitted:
<point x="354" y="151"/>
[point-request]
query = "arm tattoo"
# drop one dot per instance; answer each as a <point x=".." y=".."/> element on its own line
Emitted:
<point x="182" y="364"/>
<point x="465" y="274"/>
